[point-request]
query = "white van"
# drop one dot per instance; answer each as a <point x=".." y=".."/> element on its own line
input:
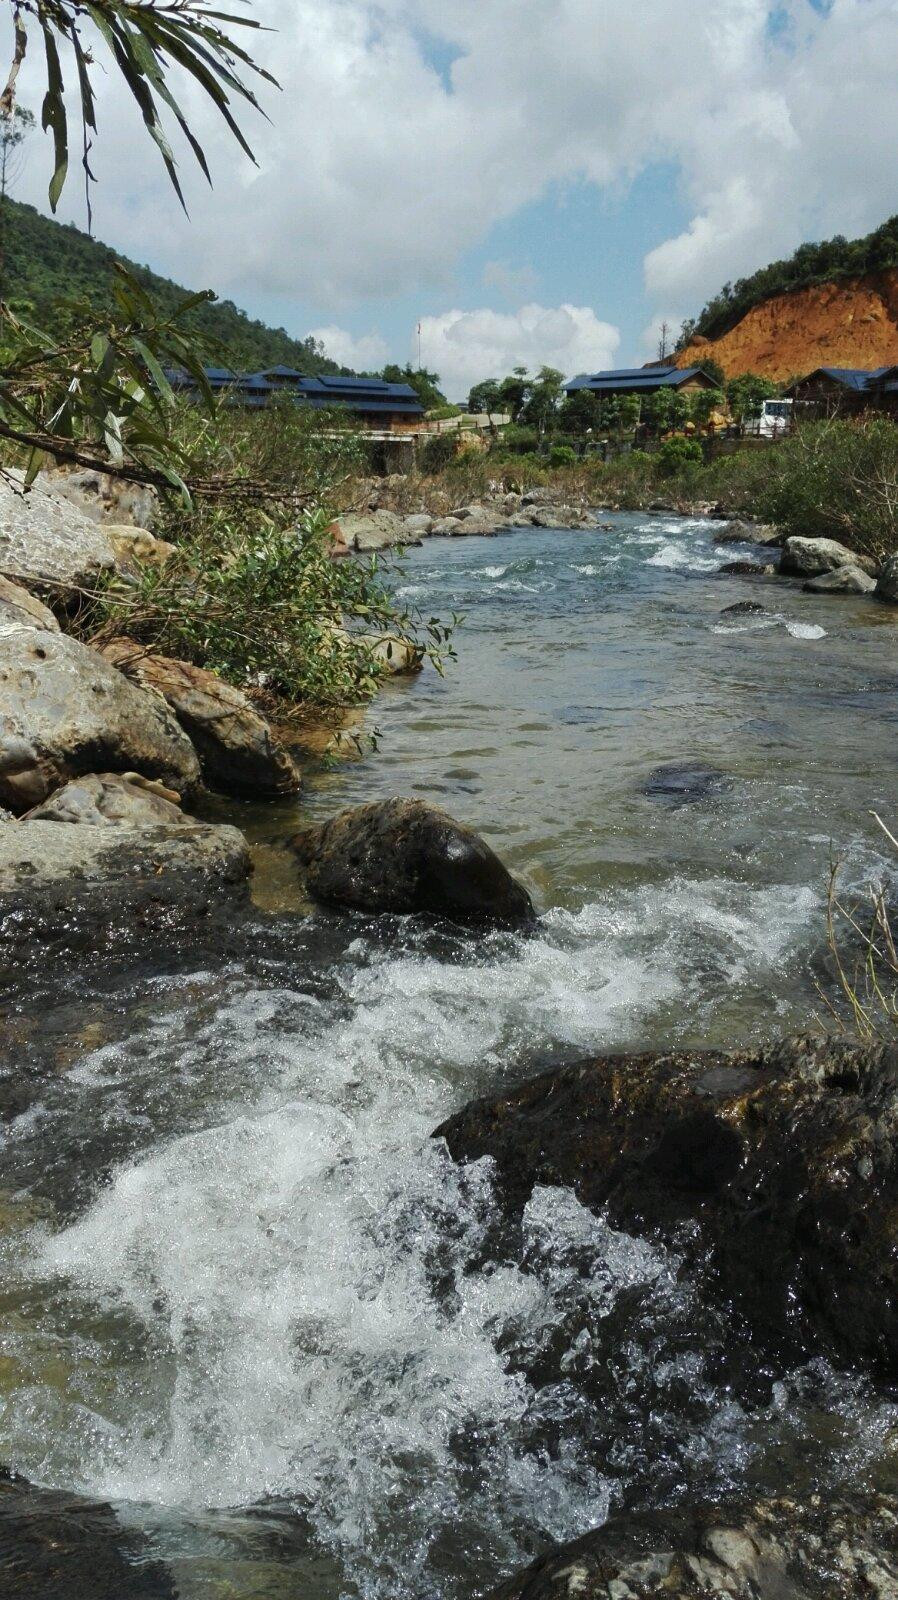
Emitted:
<point x="773" y="420"/>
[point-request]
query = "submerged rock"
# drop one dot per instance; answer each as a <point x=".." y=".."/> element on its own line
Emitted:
<point x="47" y="543"/>
<point x="887" y="586"/>
<point x="406" y="856"/>
<point x="844" y="580"/>
<point x="238" y="752"/>
<point x="111" y="799"/>
<point x="683" y="783"/>
<point x="807" y="558"/>
<point x="58" y="1546"/>
<point x="782" y="1161"/>
<point x="816" y="1549"/>
<point x="747" y="569"/>
<point x="64" y="710"/>
<point x="394" y="657"/>
<point x="745" y="608"/>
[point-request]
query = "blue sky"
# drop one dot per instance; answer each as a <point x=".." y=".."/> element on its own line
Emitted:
<point x="533" y="180"/>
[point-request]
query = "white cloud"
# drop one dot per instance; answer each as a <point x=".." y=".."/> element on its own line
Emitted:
<point x="513" y="283"/>
<point x="378" y="171"/>
<point x="465" y="346"/>
<point x="366" y="353"/>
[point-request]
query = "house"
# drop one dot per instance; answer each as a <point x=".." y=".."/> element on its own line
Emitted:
<point x="384" y="407"/>
<point x="642" y="381"/>
<point x="831" y="391"/>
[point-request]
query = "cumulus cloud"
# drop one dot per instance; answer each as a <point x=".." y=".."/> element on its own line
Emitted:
<point x="366" y="353"/>
<point x="380" y="167"/>
<point x="465" y="346"/>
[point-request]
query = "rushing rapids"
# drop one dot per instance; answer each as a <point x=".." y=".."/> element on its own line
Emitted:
<point x="251" y="1303"/>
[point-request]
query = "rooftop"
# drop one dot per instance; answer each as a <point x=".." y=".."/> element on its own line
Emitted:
<point x="637" y="378"/>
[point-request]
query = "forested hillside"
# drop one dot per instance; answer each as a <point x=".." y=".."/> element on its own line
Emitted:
<point x="833" y="261"/>
<point x="48" y="261"/>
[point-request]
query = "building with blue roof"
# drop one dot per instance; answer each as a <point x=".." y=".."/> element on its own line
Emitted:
<point x="642" y="380"/>
<point x="831" y="391"/>
<point x="388" y="407"/>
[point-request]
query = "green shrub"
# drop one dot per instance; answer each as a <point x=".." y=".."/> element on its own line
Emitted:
<point x="836" y="480"/>
<point x="438" y="452"/>
<point x="562" y="455"/>
<point x="520" y="440"/>
<point x="677" y="454"/>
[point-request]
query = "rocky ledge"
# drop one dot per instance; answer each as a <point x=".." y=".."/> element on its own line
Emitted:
<point x="781" y="1549"/>
<point x="773" y="1172"/>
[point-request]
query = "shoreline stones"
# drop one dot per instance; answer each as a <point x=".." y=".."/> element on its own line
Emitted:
<point x="843" y="580"/>
<point x="404" y="856"/>
<point x="809" y="558"/>
<point x="237" y="751"/>
<point x="112" y="799"/>
<point x="64" y="710"/>
<point x="47" y="543"/>
<point x="763" y="1549"/>
<point x="887" y="584"/>
<point x="772" y="1171"/>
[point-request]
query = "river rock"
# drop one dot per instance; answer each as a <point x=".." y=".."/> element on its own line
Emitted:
<point x="887" y="585"/>
<point x="395" y="657"/>
<point x="746" y="569"/>
<point x="819" y="1548"/>
<point x="807" y="558"/>
<point x="445" y="527"/>
<point x="681" y="783"/>
<point x="237" y="749"/>
<point x="102" y="497"/>
<point x="373" y="530"/>
<point x="844" y="580"/>
<point x="20" y="609"/>
<point x="406" y="856"/>
<point x="111" y="800"/>
<point x="418" y="526"/>
<point x="58" y="1546"/>
<point x="136" y="548"/>
<point x="745" y="608"/>
<point x="773" y="1171"/>
<point x="738" y="532"/>
<point x="64" y="880"/>
<point x="64" y="710"/>
<point x="46" y="542"/>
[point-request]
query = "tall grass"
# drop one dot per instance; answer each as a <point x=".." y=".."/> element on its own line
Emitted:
<point x="863" y="949"/>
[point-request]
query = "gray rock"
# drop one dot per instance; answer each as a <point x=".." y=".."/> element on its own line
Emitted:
<point x="744" y="608"/>
<point x="238" y="752"/>
<point x="419" y="525"/>
<point x="111" y="800"/>
<point x="104" y="498"/>
<point x="59" y="1546"/>
<point x="65" y="711"/>
<point x="738" y="532"/>
<point x="20" y="609"/>
<point x="66" y="880"/>
<point x="807" y="558"/>
<point x="772" y="1170"/>
<point x="818" y="1548"/>
<point x="746" y="569"/>
<point x="845" y="580"/>
<point x="405" y="856"/>
<point x="445" y="527"/>
<point x="887" y="585"/>
<point x="46" y="543"/>
<point x="681" y="783"/>
<point x="557" y="517"/>
<point x="374" y="530"/>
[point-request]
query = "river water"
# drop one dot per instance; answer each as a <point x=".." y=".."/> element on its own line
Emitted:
<point x="246" y="1298"/>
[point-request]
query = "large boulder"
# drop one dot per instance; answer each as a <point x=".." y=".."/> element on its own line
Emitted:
<point x="111" y="800"/>
<point x="887" y="586"/>
<point x="844" y="580"/>
<point x="238" y="752"/>
<point x="373" y="530"/>
<point x="20" y="609"/>
<point x="818" y="1548"/>
<point x="738" y="532"/>
<point x="774" y="1171"/>
<point x="406" y="856"/>
<point x="46" y="542"/>
<point x="103" y="497"/>
<point x="68" y="880"/>
<point x="807" y="558"/>
<point x="64" y="710"/>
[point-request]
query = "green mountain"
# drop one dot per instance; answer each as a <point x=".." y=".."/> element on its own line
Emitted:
<point x="49" y="262"/>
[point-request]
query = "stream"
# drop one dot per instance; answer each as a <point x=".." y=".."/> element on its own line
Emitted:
<point x="248" y="1300"/>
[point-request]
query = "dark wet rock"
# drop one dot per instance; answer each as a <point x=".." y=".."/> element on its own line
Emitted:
<point x="20" y="609"/>
<point x="64" y="711"/>
<point x="62" y="880"/>
<point x="745" y="608"/>
<point x="47" y="543"/>
<point x="737" y="532"/>
<point x="747" y="569"/>
<point x="844" y="580"/>
<point x="238" y="752"/>
<point x="683" y="783"/>
<point x="58" y="1546"/>
<point x="807" y="558"/>
<point x="406" y="856"/>
<point x="887" y="585"/>
<point x="784" y="1549"/>
<point x="111" y="799"/>
<point x="781" y="1163"/>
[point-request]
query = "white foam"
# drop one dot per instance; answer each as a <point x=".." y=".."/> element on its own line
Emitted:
<point x="805" y="630"/>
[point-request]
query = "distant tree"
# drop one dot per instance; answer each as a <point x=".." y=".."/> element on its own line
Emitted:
<point x="629" y="413"/>
<point x="514" y="392"/>
<point x="580" y="412"/>
<point x="425" y="384"/>
<point x="746" y="393"/>
<point x="541" y="405"/>
<point x="679" y="409"/>
<point x="485" y="397"/>
<point x="657" y="410"/>
<point x="703" y="405"/>
<point x="664" y="341"/>
<point x="714" y="370"/>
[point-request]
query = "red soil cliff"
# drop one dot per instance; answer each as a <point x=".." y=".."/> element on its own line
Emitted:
<point x="852" y="323"/>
